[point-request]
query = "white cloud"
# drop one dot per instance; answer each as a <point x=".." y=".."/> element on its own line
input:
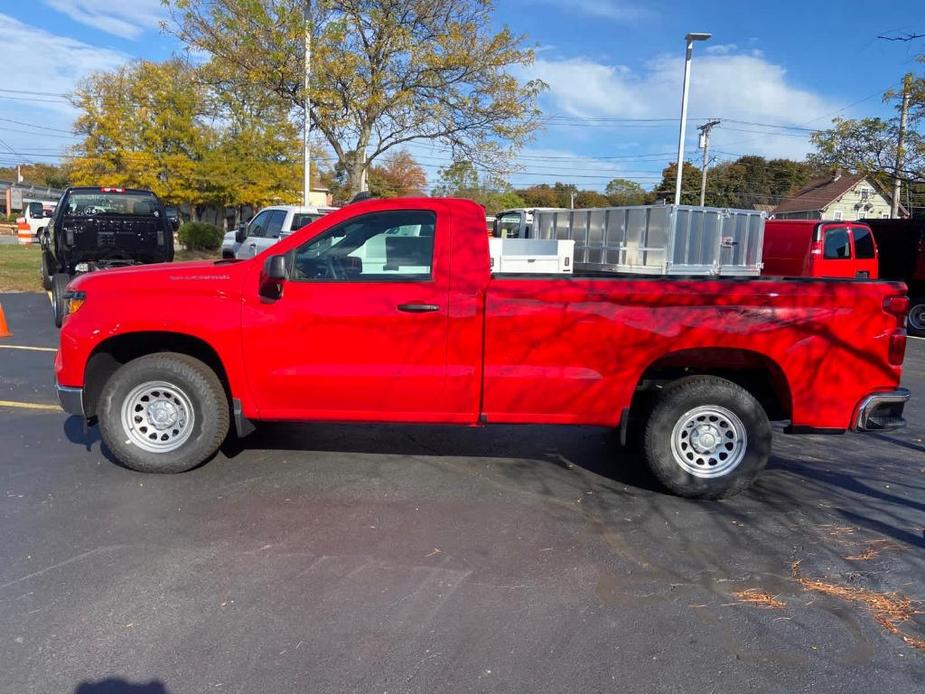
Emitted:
<point x="615" y="10"/>
<point x="721" y="48"/>
<point x="125" y="18"/>
<point x="35" y="60"/>
<point x="724" y="84"/>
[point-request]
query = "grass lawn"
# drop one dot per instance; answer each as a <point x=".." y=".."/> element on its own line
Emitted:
<point x="19" y="266"/>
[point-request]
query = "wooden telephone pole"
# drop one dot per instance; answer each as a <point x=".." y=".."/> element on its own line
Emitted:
<point x="705" y="146"/>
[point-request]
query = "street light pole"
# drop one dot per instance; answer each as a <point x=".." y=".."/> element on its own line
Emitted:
<point x="307" y="126"/>
<point x="690" y="38"/>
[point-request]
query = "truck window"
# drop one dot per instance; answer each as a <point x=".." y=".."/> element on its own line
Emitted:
<point x="395" y="245"/>
<point x="301" y="219"/>
<point x="275" y="224"/>
<point x="35" y="210"/>
<point x="93" y="203"/>
<point x="837" y="244"/>
<point x="863" y="243"/>
<point x="509" y="225"/>
<point x="258" y="224"/>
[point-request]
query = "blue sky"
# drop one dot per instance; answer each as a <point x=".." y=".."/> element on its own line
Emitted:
<point x="771" y="72"/>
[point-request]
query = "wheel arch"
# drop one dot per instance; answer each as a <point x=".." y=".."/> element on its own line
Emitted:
<point x="115" y="351"/>
<point x="756" y="372"/>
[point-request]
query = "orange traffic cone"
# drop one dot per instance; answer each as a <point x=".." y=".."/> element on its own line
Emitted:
<point x="4" y="328"/>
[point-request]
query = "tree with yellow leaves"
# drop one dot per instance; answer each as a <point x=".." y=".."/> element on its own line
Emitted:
<point x="383" y="73"/>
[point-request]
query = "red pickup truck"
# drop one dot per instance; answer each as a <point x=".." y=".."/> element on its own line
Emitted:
<point x="386" y="311"/>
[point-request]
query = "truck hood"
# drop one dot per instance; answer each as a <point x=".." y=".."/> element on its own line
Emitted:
<point x="167" y="277"/>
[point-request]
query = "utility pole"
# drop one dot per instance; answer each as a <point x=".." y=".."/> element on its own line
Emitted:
<point x="705" y="146"/>
<point x="19" y="173"/>
<point x="307" y="126"/>
<point x="900" y="145"/>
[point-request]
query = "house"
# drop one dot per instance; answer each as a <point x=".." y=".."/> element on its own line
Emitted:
<point x="841" y="196"/>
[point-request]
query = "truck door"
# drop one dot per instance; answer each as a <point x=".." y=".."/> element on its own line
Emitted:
<point x="833" y="254"/>
<point x="865" y="253"/>
<point x="264" y="234"/>
<point x="360" y="332"/>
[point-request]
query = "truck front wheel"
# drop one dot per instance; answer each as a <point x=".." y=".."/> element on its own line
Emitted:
<point x="917" y="317"/>
<point x="706" y="438"/>
<point x="163" y="412"/>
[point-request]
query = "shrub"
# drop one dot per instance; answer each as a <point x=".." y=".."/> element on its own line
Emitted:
<point x="199" y="236"/>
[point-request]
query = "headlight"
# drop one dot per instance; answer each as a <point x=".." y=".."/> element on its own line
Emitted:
<point x="73" y="302"/>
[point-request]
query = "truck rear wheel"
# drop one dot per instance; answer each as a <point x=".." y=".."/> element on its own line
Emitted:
<point x="706" y="438"/>
<point x="46" y="271"/>
<point x="58" y="290"/>
<point x="916" y="318"/>
<point x="163" y="412"/>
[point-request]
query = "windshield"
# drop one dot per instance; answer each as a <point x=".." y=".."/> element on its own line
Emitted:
<point x="88" y="203"/>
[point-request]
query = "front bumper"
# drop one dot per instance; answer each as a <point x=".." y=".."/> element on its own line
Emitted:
<point x="71" y="399"/>
<point x="882" y="411"/>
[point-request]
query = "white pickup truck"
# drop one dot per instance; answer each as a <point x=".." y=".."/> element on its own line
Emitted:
<point x="267" y="227"/>
<point x="35" y="216"/>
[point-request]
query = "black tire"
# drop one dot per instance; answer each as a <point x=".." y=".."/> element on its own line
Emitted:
<point x="46" y="270"/>
<point x="184" y="374"/>
<point x="58" y="290"/>
<point x="700" y="440"/>
<point x="916" y="321"/>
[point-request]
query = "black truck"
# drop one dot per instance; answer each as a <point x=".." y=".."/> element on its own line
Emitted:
<point x="97" y="228"/>
<point x="901" y="247"/>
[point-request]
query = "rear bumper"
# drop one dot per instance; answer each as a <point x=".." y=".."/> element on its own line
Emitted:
<point x="71" y="399"/>
<point x="882" y="411"/>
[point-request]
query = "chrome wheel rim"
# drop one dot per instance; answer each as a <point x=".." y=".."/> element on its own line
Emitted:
<point x="917" y="317"/>
<point x="157" y="417"/>
<point x="709" y="441"/>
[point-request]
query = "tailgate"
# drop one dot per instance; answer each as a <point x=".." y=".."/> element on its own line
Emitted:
<point x="128" y="234"/>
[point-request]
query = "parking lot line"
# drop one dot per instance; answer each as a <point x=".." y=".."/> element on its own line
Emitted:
<point x="30" y="349"/>
<point x="29" y="405"/>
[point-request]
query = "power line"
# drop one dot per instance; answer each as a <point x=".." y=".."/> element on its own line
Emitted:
<point x="37" y="127"/>
<point x="24" y="91"/>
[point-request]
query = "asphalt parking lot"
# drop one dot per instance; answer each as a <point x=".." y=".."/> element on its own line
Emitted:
<point x="427" y="559"/>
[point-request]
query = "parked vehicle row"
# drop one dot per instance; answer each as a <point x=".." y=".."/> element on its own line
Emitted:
<point x="267" y="227"/>
<point x="388" y="311"/>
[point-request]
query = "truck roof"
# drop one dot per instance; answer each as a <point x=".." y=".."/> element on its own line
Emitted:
<point x="107" y="189"/>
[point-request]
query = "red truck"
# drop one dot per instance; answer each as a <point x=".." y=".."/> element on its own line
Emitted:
<point x="386" y="311"/>
<point x="813" y="248"/>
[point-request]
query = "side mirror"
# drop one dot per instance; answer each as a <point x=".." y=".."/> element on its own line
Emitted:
<point x="240" y="233"/>
<point x="496" y="228"/>
<point x="175" y="223"/>
<point x="274" y="276"/>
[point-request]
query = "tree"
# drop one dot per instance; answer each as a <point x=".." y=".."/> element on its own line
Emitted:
<point x="461" y="179"/>
<point x="159" y="126"/>
<point x="868" y="145"/>
<point x="690" y="182"/>
<point x="142" y="126"/>
<point x="591" y="198"/>
<point x="399" y="176"/>
<point x="383" y="73"/>
<point x="622" y="191"/>
<point x="543" y="195"/>
<point x="39" y="174"/>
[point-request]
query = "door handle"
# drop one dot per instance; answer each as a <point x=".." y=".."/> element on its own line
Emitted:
<point x="418" y="308"/>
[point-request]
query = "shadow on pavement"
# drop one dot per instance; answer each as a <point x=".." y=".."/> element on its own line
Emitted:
<point x="120" y="686"/>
